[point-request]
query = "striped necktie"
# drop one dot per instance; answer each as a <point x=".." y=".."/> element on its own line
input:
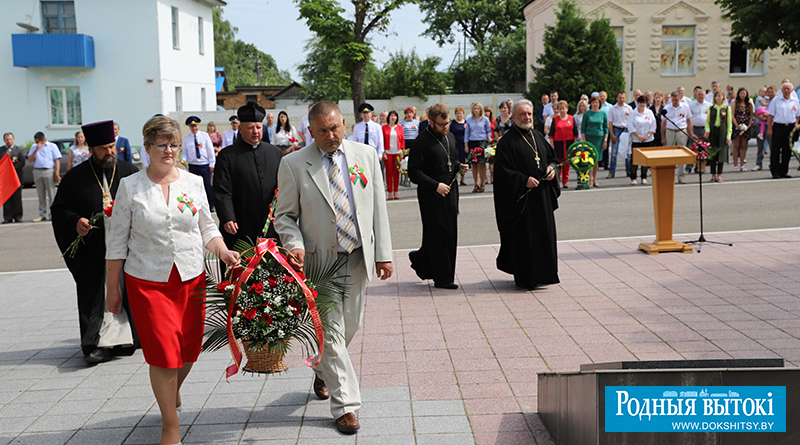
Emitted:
<point x="345" y="226"/>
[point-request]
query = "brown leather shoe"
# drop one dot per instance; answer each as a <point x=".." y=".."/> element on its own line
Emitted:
<point x="320" y="389"/>
<point x="347" y="424"/>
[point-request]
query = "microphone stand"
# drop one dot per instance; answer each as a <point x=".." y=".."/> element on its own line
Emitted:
<point x="702" y="239"/>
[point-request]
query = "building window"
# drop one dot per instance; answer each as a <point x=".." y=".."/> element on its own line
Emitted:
<point x="65" y="106"/>
<point x="200" y="35"/>
<point x="203" y="99"/>
<point x="746" y="61"/>
<point x="178" y="99"/>
<point x="677" y="50"/>
<point x="618" y="33"/>
<point x="176" y="41"/>
<point x="59" y="17"/>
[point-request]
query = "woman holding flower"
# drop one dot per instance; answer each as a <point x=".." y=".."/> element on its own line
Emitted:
<point x="743" y="113"/>
<point x="563" y="133"/>
<point x="477" y="134"/>
<point x="719" y="127"/>
<point x="394" y="143"/>
<point x="285" y="135"/>
<point x="160" y="223"/>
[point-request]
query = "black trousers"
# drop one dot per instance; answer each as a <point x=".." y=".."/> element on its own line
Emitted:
<point x="780" y="152"/>
<point x="204" y="172"/>
<point x="635" y="167"/>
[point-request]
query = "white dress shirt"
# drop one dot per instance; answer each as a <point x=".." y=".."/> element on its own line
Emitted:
<point x="699" y="113"/>
<point x="189" y="151"/>
<point x="375" y="136"/>
<point x="642" y="123"/>
<point x="686" y="100"/>
<point x="547" y="110"/>
<point x="784" y="111"/>
<point x="678" y="115"/>
<point x="228" y="138"/>
<point x="304" y="128"/>
<point x="282" y="137"/>
<point x="341" y="161"/>
<point x="152" y="235"/>
<point x="618" y="115"/>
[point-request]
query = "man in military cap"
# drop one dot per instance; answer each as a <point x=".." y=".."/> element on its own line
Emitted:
<point x="368" y="132"/>
<point x="245" y="180"/>
<point x="87" y="189"/>
<point x="198" y="151"/>
<point x="230" y="136"/>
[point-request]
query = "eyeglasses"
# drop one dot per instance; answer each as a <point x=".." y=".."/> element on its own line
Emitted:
<point x="445" y="124"/>
<point x="163" y="147"/>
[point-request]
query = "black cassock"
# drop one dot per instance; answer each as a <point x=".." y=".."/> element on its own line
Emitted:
<point x="245" y="180"/>
<point x="427" y="167"/>
<point x="80" y="196"/>
<point x="527" y="226"/>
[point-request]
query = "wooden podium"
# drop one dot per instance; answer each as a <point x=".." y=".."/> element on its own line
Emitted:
<point x="662" y="162"/>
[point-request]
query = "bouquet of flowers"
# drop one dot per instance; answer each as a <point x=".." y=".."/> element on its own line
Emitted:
<point x="490" y="152"/>
<point x="477" y="154"/>
<point x="700" y="148"/>
<point x="265" y="304"/>
<point x="72" y="249"/>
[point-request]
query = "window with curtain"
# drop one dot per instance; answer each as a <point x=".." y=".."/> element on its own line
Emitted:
<point x="59" y="17"/>
<point x="677" y="50"/>
<point x="746" y="61"/>
<point x="65" y="106"/>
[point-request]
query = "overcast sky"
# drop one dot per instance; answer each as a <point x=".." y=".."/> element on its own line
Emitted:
<point x="275" y="28"/>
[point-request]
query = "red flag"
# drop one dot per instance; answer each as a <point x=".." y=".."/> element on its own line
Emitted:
<point x="9" y="181"/>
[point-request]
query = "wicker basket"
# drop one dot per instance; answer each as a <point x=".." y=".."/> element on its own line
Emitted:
<point x="263" y="361"/>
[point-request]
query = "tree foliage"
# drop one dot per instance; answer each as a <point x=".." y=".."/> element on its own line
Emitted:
<point x="495" y="68"/>
<point x="323" y="74"/>
<point x="764" y="24"/>
<point x="348" y="38"/>
<point x="578" y="57"/>
<point x="478" y="19"/>
<point x="240" y="58"/>
<point x="405" y="74"/>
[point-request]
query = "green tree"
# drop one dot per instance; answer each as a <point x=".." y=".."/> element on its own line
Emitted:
<point x="479" y="20"/>
<point x="764" y="24"/>
<point x="347" y="38"/>
<point x="324" y="76"/>
<point x="577" y="59"/>
<point x="242" y="60"/>
<point x="408" y="75"/>
<point x="496" y="67"/>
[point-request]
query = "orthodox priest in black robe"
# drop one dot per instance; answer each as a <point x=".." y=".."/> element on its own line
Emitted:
<point x="432" y="165"/>
<point x="525" y="164"/>
<point x="81" y="195"/>
<point x="245" y="180"/>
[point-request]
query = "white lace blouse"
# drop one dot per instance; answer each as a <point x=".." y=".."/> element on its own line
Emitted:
<point x="152" y="235"/>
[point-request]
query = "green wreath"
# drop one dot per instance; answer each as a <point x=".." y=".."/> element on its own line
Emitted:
<point x="582" y="156"/>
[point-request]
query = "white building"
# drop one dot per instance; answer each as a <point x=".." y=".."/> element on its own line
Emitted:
<point x="81" y="61"/>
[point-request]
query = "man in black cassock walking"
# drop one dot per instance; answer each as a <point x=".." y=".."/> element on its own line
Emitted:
<point x="245" y="180"/>
<point x="525" y="197"/>
<point x="432" y="165"/>
<point x="84" y="191"/>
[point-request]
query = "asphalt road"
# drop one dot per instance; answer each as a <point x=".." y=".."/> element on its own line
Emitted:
<point x="745" y="201"/>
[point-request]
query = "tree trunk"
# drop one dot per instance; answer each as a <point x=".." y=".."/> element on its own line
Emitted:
<point x="357" y="88"/>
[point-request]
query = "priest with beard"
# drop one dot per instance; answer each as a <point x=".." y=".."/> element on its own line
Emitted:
<point x="525" y="197"/>
<point x="245" y="180"/>
<point x="432" y="165"/>
<point x="86" y="190"/>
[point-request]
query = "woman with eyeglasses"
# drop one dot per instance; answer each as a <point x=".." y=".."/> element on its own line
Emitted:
<point x="159" y="225"/>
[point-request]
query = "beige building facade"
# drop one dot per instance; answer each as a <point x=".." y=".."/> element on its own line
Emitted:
<point x="669" y="43"/>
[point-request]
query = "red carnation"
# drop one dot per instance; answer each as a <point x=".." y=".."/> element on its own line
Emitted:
<point x="257" y="287"/>
<point x="273" y="282"/>
<point x="296" y="309"/>
<point x="314" y="293"/>
<point x="288" y="279"/>
<point x="266" y="318"/>
<point x="221" y="286"/>
<point x="250" y="313"/>
<point x="109" y="209"/>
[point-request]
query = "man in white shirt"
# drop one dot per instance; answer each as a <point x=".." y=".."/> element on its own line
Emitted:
<point x="46" y="159"/>
<point x="230" y="136"/>
<point x="269" y="129"/>
<point x="714" y="88"/>
<point x="547" y="111"/>
<point x="784" y="115"/>
<point x="617" y="124"/>
<point x="367" y="131"/>
<point x="683" y="98"/>
<point x="679" y="119"/>
<point x="699" y="108"/>
<point x="199" y="152"/>
<point x="304" y="131"/>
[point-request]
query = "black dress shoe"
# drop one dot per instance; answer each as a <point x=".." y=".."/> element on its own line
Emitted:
<point x="347" y="424"/>
<point x="320" y="389"/>
<point x="446" y="285"/>
<point x="785" y="176"/>
<point x="99" y="355"/>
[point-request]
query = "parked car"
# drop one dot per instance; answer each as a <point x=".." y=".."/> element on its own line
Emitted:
<point x="63" y="146"/>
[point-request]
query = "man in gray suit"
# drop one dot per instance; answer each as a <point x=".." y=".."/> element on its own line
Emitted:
<point x="337" y="187"/>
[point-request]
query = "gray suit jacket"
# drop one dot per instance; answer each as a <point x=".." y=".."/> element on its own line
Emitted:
<point x="305" y="217"/>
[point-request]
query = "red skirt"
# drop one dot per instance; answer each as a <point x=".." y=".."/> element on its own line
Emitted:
<point x="169" y="318"/>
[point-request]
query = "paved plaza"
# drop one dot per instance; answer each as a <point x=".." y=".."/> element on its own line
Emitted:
<point x="436" y="366"/>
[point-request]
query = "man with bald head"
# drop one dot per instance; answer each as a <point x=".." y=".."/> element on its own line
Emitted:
<point x="331" y="205"/>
